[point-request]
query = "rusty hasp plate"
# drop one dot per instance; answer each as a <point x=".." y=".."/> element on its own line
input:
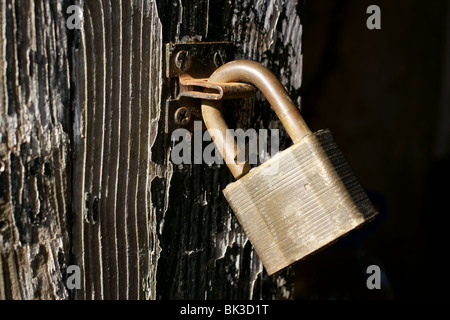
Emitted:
<point x="199" y="59"/>
<point x="188" y="67"/>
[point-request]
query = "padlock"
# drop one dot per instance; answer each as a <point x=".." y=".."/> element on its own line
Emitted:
<point x="300" y="200"/>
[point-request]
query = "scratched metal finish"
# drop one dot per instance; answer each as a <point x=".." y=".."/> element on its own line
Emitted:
<point x="301" y="200"/>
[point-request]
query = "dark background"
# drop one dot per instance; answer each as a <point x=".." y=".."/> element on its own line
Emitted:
<point x="385" y="95"/>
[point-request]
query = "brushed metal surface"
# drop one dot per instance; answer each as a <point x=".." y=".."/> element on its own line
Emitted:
<point x="299" y="201"/>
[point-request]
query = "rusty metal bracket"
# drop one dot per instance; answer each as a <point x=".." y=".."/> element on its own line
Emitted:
<point x="181" y="113"/>
<point x="187" y="68"/>
<point x="199" y="59"/>
<point x="217" y="91"/>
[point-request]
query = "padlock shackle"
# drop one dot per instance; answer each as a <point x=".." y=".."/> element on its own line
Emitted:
<point x="275" y="93"/>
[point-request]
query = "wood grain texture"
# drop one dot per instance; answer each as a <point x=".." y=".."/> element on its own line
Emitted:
<point x="34" y="150"/>
<point x="118" y="62"/>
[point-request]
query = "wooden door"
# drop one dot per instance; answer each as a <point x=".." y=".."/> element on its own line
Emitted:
<point x="87" y="176"/>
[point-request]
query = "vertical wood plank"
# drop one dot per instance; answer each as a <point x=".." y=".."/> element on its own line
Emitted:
<point x="118" y="65"/>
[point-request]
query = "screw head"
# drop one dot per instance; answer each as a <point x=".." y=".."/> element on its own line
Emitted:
<point x="182" y="116"/>
<point x="183" y="60"/>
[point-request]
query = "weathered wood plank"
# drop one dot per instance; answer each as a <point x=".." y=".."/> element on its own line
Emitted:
<point x="34" y="150"/>
<point x="118" y="63"/>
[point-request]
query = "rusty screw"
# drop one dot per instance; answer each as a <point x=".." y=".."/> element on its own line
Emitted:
<point x="182" y="116"/>
<point x="183" y="60"/>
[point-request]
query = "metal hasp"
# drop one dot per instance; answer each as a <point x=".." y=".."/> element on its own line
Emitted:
<point x="188" y="67"/>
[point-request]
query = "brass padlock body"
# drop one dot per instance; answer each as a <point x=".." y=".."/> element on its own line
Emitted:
<point x="299" y="201"/>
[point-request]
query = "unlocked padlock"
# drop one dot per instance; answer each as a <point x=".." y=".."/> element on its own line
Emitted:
<point x="300" y="200"/>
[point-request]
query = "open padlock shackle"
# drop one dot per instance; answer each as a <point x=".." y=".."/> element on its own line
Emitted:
<point x="275" y="93"/>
